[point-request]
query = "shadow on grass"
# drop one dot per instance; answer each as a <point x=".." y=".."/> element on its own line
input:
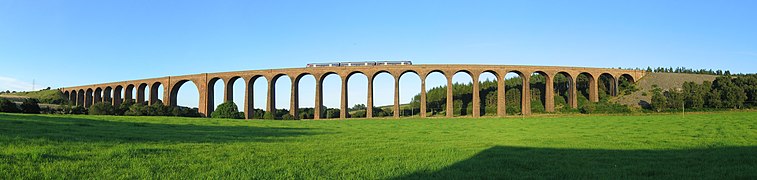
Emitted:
<point x="73" y="129"/>
<point x="521" y="162"/>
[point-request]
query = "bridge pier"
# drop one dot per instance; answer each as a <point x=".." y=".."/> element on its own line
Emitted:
<point x="476" y="95"/>
<point x="396" y="108"/>
<point x="423" y="97"/>
<point x="450" y="108"/>
<point x="369" y="101"/>
<point x="343" y="105"/>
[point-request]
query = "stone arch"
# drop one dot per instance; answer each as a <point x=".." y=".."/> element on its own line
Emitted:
<point x="117" y="95"/>
<point x="210" y="96"/>
<point x="436" y="97"/>
<point x="174" y="93"/>
<point x="628" y="77"/>
<point x="141" y="92"/>
<point x="586" y="84"/>
<point x="88" y="99"/>
<point x="517" y="97"/>
<point x="463" y="103"/>
<point x="352" y="84"/>
<point x="108" y="94"/>
<point x="272" y="102"/>
<point x="379" y="97"/>
<point x="304" y="113"/>
<point x="129" y="93"/>
<point x="540" y="87"/>
<point x="155" y="91"/>
<point x="488" y="92"/>
<point x="335" y="110"/>
<point x="625" y="84"/>
<point x="253" y="111"/>
<point x="564" y="85"/>
<point x="408" y="80"/>
<point x="228" y="93"/>
<point x="607" y="85"/>
<point x="80" y="98"/>
<point x="98" y="96"/>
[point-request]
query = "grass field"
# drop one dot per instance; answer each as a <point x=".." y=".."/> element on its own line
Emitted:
<point x="719" y="145"/>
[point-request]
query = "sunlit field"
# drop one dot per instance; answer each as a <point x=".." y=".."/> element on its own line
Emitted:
<point x="719" y="145"/>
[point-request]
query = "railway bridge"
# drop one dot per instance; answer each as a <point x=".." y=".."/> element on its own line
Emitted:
<point x="86" y="95"/>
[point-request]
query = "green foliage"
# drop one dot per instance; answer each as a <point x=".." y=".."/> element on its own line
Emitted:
<point x="288" y="117"/>
<point x="45" y="96"/>
<point x="30" y="106"/>
<point x="8" y="106"/>
<point x="269" y="115"/>
<point x="724" y="92"/>
<point x="227" y="110"/>
<point x="102" y="108"/>
<point x="69" y="109"/>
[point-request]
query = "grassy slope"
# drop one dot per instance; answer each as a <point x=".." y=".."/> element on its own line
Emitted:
<point x="716" y="145"/>
<point x="663" y="80"/>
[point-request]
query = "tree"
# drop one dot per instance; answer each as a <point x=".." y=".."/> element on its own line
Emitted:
<point x="102" y="108"/>
<point x="30" y="106"/>
<point x="659" y="101"/>
<point x="8" y="106"/>
<point x="227" y="110"/>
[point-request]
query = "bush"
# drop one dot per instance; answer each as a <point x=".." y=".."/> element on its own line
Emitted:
<point x="102" y="108"/>
<point x="30" y="106"/>
<point x="8" y="106"/>
<point x="227" y="110"/>
<point x="68" y="109"/>
<point x="288" y="117"/>
<point x="268" y="115"/>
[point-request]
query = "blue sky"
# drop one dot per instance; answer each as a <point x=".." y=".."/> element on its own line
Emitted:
<point x="67" y="43"/>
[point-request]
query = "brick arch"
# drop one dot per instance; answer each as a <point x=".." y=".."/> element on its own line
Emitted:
<point x="174" y="92"/>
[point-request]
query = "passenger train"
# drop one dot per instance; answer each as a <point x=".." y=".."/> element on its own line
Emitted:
<point x="365" y="63"/>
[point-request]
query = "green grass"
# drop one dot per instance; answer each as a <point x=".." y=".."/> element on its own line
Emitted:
<point x="719" y="145"/>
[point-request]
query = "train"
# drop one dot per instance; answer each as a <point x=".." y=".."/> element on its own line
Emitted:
<point x="363" y="63"/>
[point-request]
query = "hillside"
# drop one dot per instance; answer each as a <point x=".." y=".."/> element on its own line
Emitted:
<point x="664" y="81"/>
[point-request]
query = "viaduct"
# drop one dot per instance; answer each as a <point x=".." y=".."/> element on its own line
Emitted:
<point x="111" y="92"/>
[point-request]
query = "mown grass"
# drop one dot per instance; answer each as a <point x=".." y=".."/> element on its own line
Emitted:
<point x="708" y="145"/>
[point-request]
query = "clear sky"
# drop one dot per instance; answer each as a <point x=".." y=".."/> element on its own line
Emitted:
<point x="68" y="43"/>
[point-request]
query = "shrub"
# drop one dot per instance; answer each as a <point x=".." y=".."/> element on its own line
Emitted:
<point x="30" y="106"/>
<point x="68" y="109"/>
<point x="227" y="110"/>
<point x="268" y="115"/>
<point x="138" y="109"/>
<point x="102" y="108"/>
<point x="288" y="117"/>
<point x="8" y="106"/>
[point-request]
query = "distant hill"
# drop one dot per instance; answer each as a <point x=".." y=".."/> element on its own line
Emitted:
<point x="664" y="81"/>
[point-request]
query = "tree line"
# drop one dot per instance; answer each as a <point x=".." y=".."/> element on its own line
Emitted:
<point x="732" y="92"/>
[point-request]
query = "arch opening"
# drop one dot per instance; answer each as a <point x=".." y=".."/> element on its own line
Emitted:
<point x="563" y="83"/>
<point x="626" y="85"/>
<point x="538" y="88"/>
<point x="409" y="94"/>
<point x="513" y="95"/>
<point x="306" y="96"/>
<point x="462" y="90"/>
<point x="357" y="86"/>
<point x="488" y="87"/>
<point x="156" y="93"/>
<point x="259" y="94"/>
<point x="584" y="87"/>
<point x="185" y="96"/>
<point x="607" y="86"/>
<point x="282" y="95"/>
<point x="436" y="94"/>
<point x="383" y="95"/>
